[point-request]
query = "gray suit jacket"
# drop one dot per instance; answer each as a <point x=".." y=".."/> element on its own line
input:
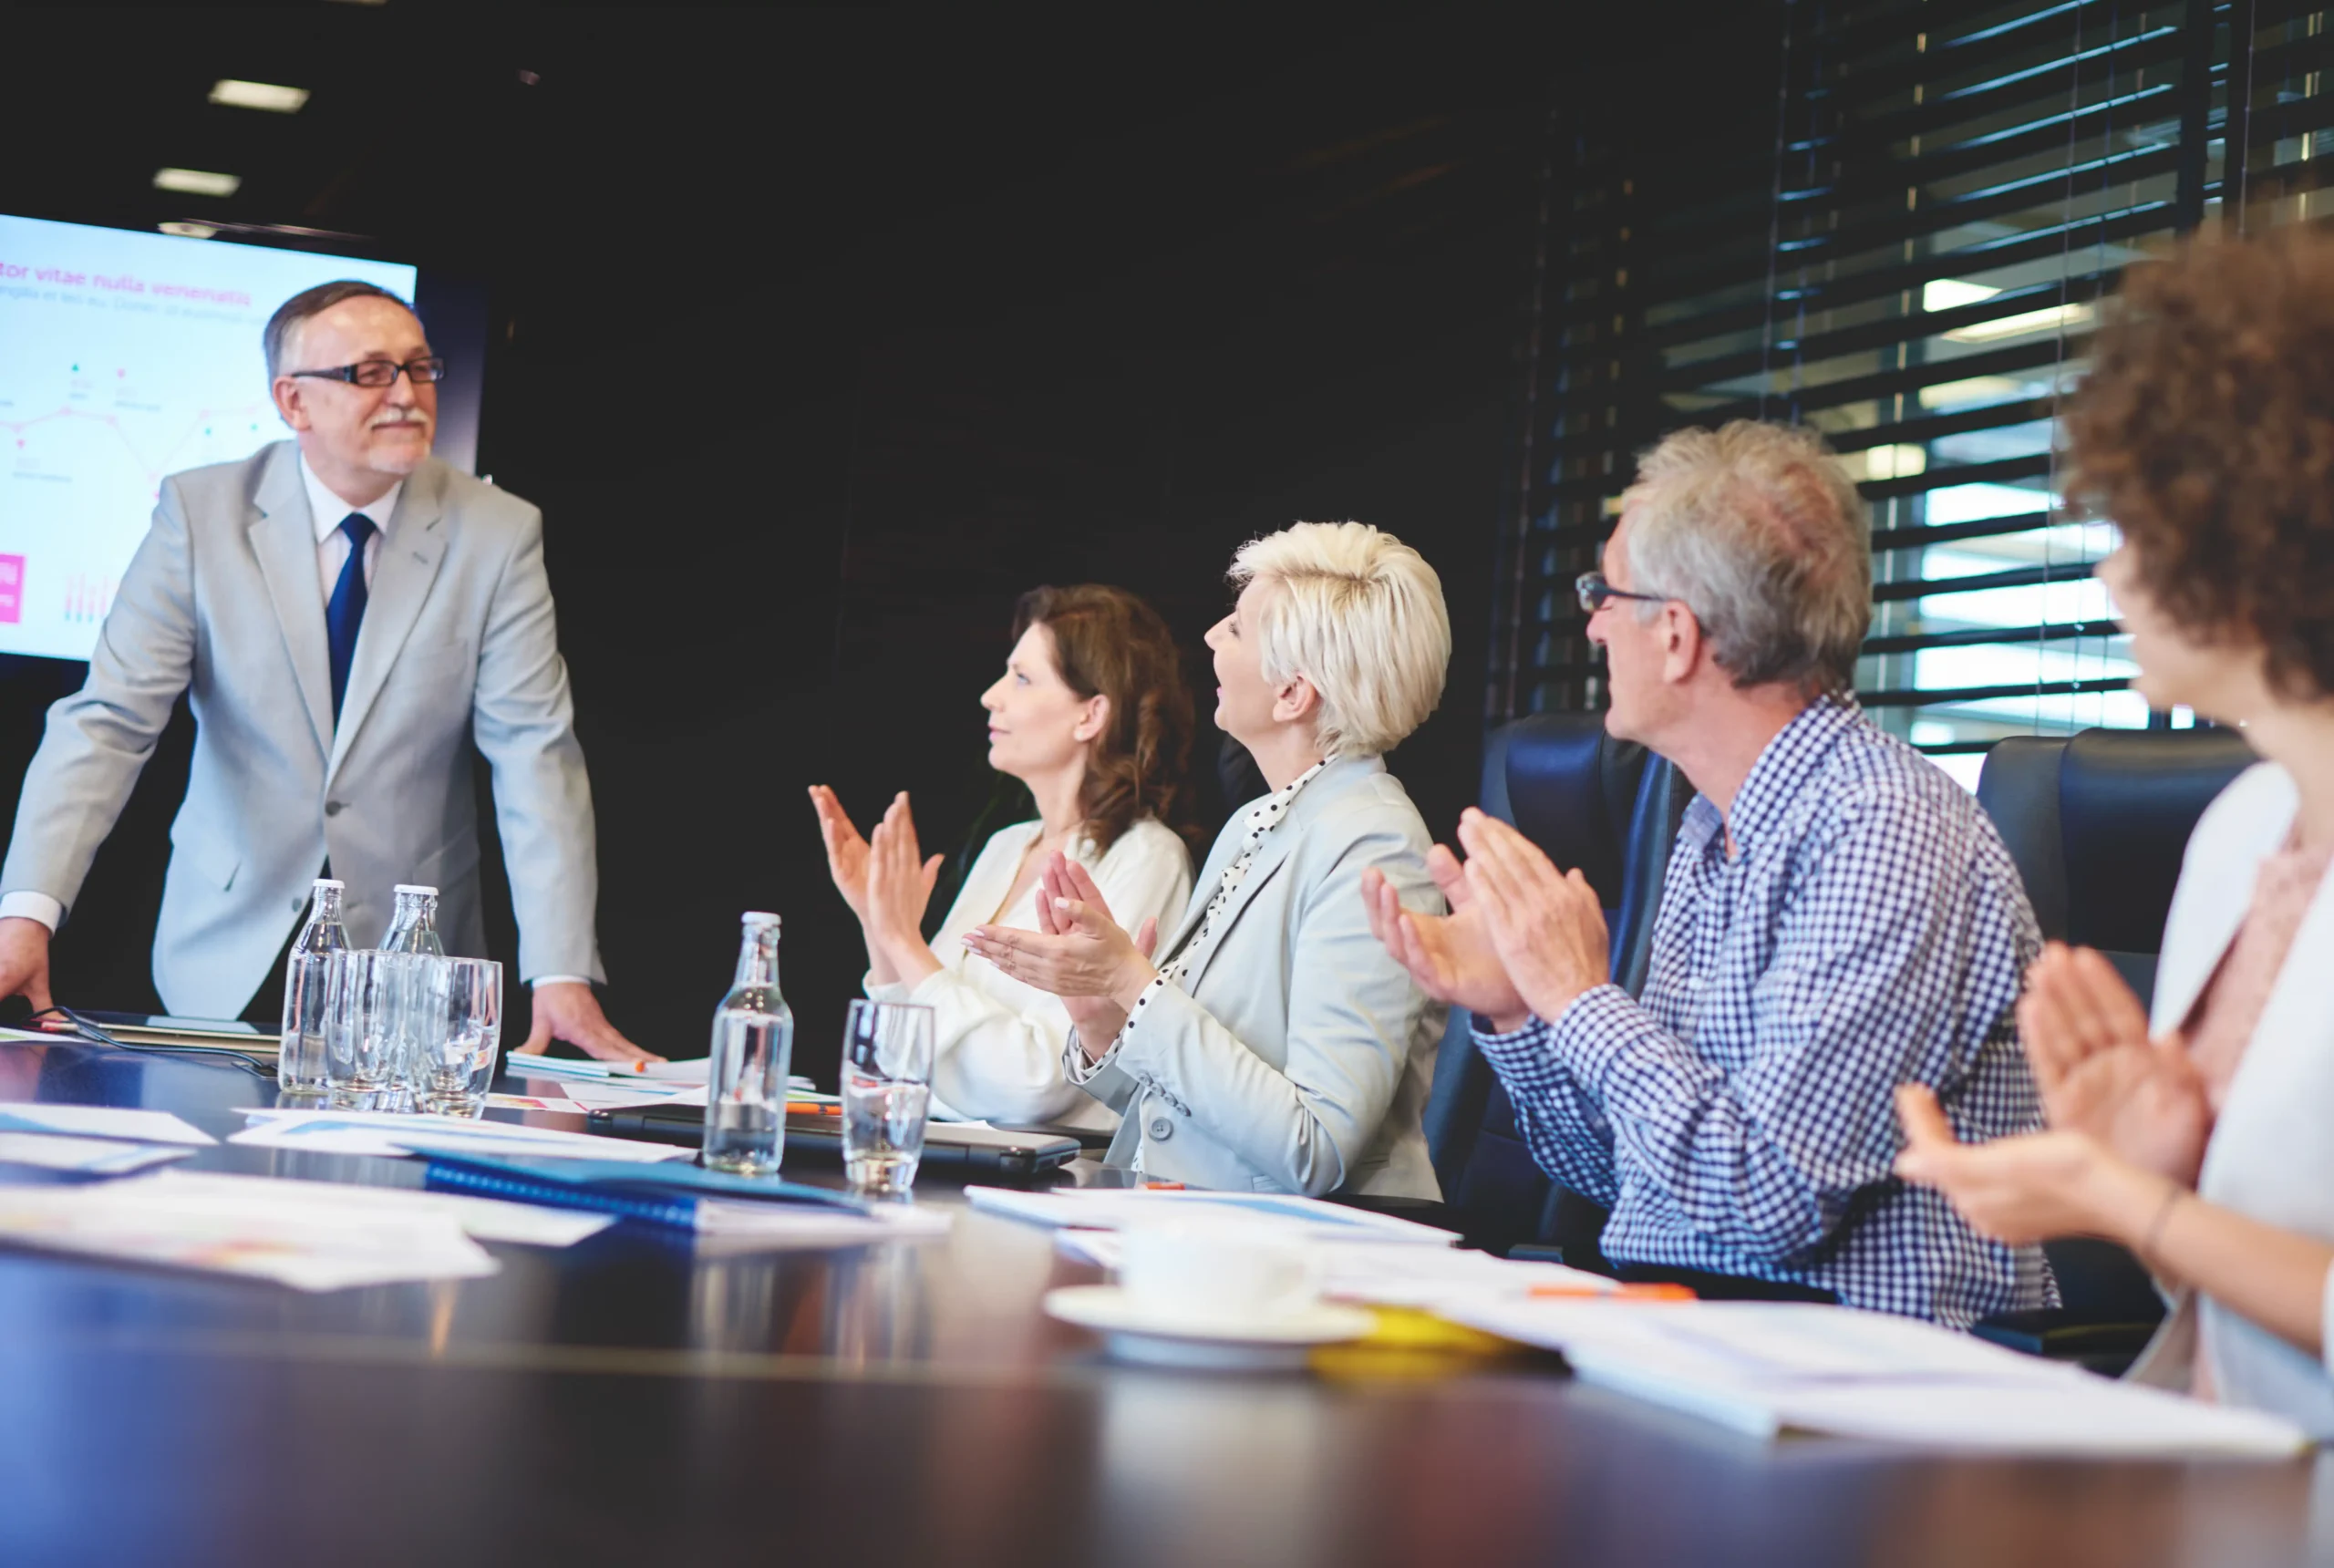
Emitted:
<point x="222" y="601"/>
<point x="1298" y="1055"/>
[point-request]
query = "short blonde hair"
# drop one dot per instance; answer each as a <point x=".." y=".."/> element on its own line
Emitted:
<point x="1756" y="528"/>
<point x="1357" y="613"/>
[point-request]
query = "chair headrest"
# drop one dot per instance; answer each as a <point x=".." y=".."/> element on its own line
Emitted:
<point x="1569" y="789"/>
<point x="2128" y="799"/>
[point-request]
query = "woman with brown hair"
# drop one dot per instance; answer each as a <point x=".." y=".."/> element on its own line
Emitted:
<point x="1092" y="714"/>
<point x="2193" y="1131"/>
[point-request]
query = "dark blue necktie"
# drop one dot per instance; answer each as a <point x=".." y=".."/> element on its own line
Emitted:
<point x="344" y="611"/>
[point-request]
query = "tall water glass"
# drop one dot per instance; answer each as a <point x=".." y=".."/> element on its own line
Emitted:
<point x="461" y="1035"/>
<point x="364" y="989"/>
<point x="887" y="1092"/>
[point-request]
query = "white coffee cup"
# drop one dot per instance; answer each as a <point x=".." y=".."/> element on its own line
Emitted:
<point x="1202" y="1268"/>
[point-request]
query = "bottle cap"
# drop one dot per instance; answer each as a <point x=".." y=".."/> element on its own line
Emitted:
<point x="333" y="882"/>
<point x="758" y="917"/>
<point x="414" y="887"/>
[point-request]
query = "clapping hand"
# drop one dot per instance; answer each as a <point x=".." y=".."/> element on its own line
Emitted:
<point x="2026" y="1189"/>
<point x="1546" y="925"/>
<point x="1452" y="956"/>
<point x="1080" y="952"/>
<point x="1065" y="883"/>
<point x="2086" y="1037"/>
<point x="898" y="887"/>
<point x="846" y="851"/>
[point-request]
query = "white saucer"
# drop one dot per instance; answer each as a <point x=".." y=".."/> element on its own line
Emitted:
<point x="1273" y="1342"/>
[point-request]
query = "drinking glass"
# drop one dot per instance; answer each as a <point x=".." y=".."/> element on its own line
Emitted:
<point x="886" y="1091"/>
<point x="365" y="993"/>
<point x="459" y="1033"/>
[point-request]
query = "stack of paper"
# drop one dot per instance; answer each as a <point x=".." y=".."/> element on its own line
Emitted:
<point x="247" y="1227"/>
<point x="1395" y="1274"/>
<point x="82" y="1138"/>
<point x="100" y="1122"/>
<point x="88" y="1156"/>
<point x="696" y="1070"/>
<point x="387" y="1133"/>
<point x="1113" y="1208"/>
<point x="761" y="1227"/>
<point x="1765" y="1368"/>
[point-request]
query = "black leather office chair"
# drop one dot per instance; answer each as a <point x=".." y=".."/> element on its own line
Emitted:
<point x="2097" y="823"/>
<point x="1611" y="809"/>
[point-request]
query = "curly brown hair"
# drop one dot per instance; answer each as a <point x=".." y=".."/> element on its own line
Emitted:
<point x="2205" y="430"/>
<point x="1107" y="642"/>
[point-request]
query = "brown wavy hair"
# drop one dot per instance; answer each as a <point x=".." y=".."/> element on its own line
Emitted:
<point x="2207" y="431"/>
<point x="1108" y="642"/>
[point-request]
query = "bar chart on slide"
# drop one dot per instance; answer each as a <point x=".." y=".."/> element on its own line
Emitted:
<point x="124" y="357"/>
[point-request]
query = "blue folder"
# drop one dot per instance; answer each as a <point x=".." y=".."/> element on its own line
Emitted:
<point x="663" y="1193"/>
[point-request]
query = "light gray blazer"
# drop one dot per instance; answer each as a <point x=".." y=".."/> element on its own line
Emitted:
<point x="222" y="601"/>
<point x="1297" y="1056"/>
<point x="2272" y="1152"/>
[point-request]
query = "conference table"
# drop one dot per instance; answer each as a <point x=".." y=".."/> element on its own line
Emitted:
<point x="628" y="1401"/>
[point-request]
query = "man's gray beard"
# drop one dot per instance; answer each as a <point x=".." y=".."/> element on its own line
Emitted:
<point x="402" y="466"/>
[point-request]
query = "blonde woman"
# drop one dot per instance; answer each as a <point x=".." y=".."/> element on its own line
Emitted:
<point x="1275" y="1046"/>
<point x="1092" y="714"/>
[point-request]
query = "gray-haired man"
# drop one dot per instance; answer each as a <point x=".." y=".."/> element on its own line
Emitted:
<point x="348" y="616"/>
<point x="1839" y="918"/>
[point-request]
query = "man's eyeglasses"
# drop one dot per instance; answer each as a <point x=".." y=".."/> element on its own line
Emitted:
<point x="1596" y="592"/>
<point x="385" y="372"/>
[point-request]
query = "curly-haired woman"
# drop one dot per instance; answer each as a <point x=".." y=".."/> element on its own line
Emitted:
<point x="1093" y="715"/>
<point x="2199" y="1136"/>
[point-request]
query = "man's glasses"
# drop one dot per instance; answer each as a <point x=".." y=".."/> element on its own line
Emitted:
<point x="385" y="372"/>
<point x="1596" y="592"/>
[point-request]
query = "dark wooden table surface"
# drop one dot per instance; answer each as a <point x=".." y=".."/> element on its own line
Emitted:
<point x="627" y="1402"/>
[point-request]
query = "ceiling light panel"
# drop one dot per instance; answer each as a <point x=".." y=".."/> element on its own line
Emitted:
<point x="259" y="95"/>
<point x="197" y="181"/>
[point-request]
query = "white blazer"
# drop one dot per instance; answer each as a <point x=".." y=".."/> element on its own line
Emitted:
<point x="2271" y="1156"/>
<point x="997" y="1042"/>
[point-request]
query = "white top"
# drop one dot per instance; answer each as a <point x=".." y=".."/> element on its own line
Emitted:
<point x="2270" y="1156"/>
<point x="997" y="1042"/>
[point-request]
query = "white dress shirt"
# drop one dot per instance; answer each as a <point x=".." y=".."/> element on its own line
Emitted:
<point x="997" y="1053"/>
<point x="325" y="510"/>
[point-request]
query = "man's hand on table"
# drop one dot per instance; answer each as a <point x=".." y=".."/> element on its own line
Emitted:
<point x="24" y="961"/>
<point x="565" y="1010"/>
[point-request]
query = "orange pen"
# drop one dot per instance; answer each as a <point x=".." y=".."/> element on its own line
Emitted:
<point x="1619" y="1293"/>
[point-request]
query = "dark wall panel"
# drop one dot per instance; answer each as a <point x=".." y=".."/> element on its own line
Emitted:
<point x="819" y="336"/>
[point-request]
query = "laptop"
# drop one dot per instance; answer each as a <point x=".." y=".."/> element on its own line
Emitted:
<point x="956" y="1148"/>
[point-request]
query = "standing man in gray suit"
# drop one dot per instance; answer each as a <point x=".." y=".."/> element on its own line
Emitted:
<point x="348" y="614"/>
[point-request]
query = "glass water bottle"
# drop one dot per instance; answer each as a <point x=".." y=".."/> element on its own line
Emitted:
<point x="413" y="922"/>
<point x="300" y="1056"/>
<point x="751" y="1058"/>
<point x="413" y="929"/>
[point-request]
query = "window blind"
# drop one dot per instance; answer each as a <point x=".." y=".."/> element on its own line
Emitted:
<point x="1908" y="255"/>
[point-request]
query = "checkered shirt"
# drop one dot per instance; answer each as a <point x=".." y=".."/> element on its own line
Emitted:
<point x="1870" y="930"/>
